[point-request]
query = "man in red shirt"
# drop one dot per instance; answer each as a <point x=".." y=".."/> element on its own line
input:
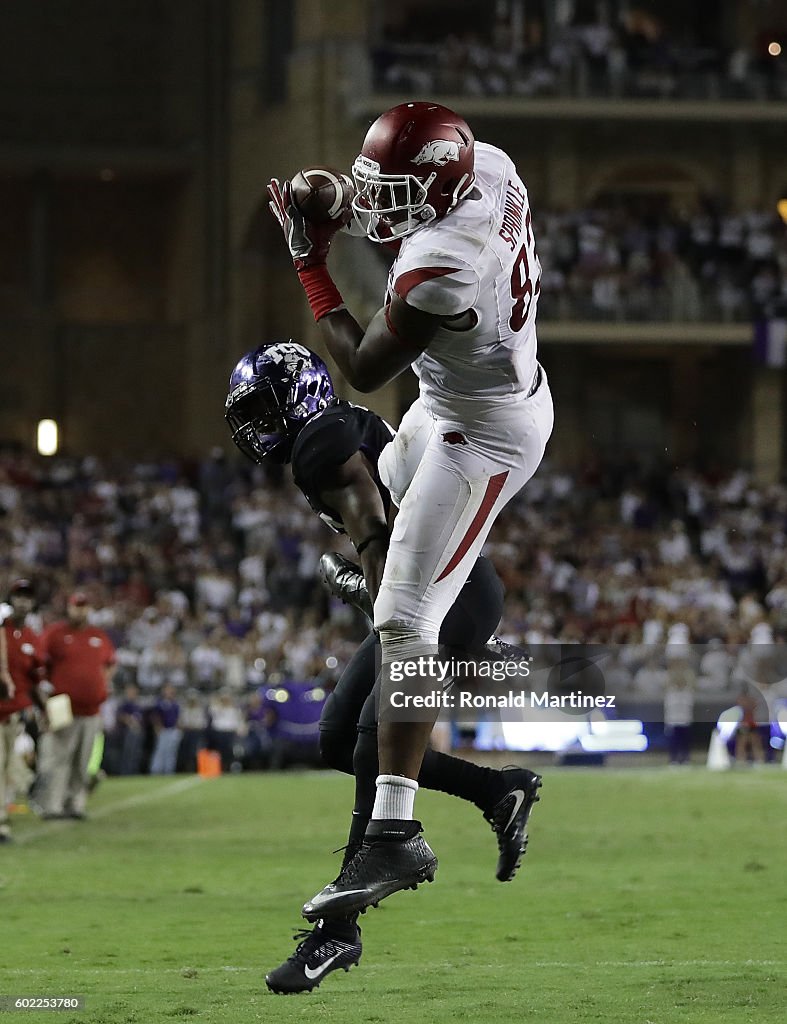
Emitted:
<point x="79" y="659"/>
<point x="18" y="686"/>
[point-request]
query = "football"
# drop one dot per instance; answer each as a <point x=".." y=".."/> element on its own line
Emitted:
<point x="322" y="194"/>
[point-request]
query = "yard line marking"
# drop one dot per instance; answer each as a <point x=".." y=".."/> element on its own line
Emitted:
<point x="660" y="963"/>
<point x="120" y="805"/>
<point x="560" y="964"/>
<point x="143" y="798"/>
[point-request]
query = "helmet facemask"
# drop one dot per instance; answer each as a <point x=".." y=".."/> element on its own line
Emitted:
<point x="258" y="425"/>
<point x="390" y="206"/>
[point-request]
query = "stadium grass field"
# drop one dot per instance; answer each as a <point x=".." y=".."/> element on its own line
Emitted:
<point x="647" y="896"/>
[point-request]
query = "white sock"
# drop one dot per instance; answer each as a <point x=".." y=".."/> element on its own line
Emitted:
<point x="395" y="797"/>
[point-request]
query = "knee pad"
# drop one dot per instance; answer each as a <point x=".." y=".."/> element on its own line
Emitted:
<point x="401" y="640"/>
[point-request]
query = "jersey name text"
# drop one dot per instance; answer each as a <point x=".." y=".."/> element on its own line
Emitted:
<point x="511" y="228"/>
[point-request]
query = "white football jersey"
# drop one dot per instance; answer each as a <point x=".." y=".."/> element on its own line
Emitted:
<point x="479" y="265"/>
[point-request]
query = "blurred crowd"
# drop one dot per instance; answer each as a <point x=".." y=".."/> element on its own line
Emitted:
<point x="636" y="258"/>
<point x="202" y="575"/>
<point x="584" y="54"/>
<point x="621" y="554"/>
<point x="205" y="576"/>
<point x="678" y="569"/>
<point x="204" y="579"/>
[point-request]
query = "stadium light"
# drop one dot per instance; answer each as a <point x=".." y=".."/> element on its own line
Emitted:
<point x="47" y="437"/>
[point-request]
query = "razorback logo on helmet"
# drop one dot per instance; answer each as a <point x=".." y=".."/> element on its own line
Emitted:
<point x="438" y="152"/>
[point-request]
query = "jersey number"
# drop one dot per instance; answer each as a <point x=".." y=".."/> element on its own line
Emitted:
<point x="522" y="287"/>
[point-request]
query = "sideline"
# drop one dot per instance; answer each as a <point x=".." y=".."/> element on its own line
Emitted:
<point x="48" y="827"/>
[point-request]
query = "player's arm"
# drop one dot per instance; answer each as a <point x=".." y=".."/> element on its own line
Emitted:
<point x="353" y="494"/>
<point x="397" y="334"/>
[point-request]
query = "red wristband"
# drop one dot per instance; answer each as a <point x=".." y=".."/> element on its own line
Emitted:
<point x="322" y="293"/>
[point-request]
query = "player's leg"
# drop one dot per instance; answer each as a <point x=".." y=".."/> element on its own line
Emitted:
<point x="348" y="726"/>
<point x="336" y="943"/>
<point x="469" y="623"/>
<point x="414" y="861"/>
<point x="348" y="735"/>
<point x="348" y="743"/>
<point x="342" y="711"/>
<point x="505" y="797"/>
<point x="442" y="524"/>
<point x="459" y="487"/>
<point x="466" y="474"/>
<point x="333" y="943"/>
<point x="499" y="794"/>
<point x="342" y="719"/>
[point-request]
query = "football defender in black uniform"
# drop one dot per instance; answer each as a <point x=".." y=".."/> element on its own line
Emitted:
<point x="282" y="407"/>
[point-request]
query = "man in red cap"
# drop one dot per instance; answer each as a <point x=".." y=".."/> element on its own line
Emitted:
<point x="19" y="677"/>
<point x="80" y="661"/>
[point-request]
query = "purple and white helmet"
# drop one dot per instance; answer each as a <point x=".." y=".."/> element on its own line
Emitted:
<point x="273" y="391"/>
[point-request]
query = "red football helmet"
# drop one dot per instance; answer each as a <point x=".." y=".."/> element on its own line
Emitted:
<point x="415" y="165"/>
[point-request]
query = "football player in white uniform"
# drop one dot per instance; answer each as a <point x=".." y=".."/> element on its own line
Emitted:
<point x="460" y="309"/>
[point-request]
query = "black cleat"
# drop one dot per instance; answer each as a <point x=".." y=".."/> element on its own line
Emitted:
<point x="345" y="579"/>
<point x="329" y="946"/>
<point x="508" y="817"/>
<point x="393" y="857"/>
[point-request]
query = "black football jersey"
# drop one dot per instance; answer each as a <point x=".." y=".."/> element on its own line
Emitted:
<point x="326" y="442"/>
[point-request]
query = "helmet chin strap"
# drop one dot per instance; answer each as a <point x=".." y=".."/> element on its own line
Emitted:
<point x="426" y="214"/>
<point x="415" y="219"/>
